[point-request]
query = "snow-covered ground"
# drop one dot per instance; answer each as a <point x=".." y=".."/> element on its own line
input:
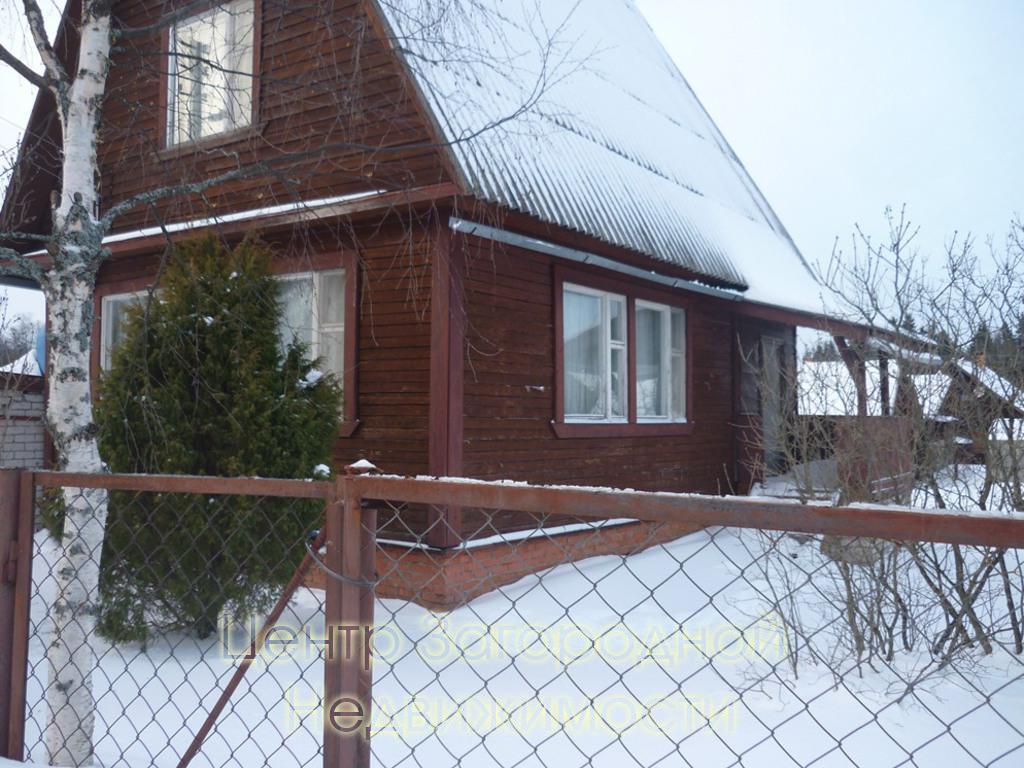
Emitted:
<point x="670" y="681"/>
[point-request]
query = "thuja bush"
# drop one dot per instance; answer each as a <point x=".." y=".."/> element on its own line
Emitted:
<point x="202" y="385"/>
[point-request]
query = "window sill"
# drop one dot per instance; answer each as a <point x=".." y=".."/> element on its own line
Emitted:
<point x="348" y="428"/>
<point x="216" y="141"/>
<point x="574" y="430"/>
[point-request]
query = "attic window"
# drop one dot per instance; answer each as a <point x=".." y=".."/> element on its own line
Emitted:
<point x="210" y="73"/>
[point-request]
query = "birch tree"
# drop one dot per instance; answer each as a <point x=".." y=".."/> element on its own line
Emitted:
<point x="67" y="258"/>
<point x="75" y="253"/>
<point x="75" y="246"/>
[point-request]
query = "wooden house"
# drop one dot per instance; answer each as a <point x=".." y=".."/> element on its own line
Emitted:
<point x="528" y="257"/>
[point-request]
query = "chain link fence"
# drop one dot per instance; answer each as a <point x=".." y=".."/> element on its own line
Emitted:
<point x="570" y="627"/>
<point x="187" y="574"/>
<point x="591" y="639"/>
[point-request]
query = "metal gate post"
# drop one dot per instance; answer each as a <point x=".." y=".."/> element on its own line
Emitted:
<point x="16" y="528"/>
<point x="346" y="705"/>
<point x="368" y="573"/>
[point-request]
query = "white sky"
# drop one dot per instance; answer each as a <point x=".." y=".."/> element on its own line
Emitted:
<point x="838" y="108"/>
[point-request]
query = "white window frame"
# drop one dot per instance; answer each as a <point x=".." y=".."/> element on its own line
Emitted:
<point x="172" y="118"/>
<point x="106" y="329"/>
<point x="317" y="326"/>
<point x="608" y="345"/>
<point x="667" y="353"/>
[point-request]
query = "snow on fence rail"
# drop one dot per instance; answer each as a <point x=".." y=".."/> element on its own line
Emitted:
<point x="285" y="622"/>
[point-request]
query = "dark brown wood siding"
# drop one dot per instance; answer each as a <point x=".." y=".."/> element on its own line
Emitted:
<point x="393" y="352"/>
<point x="335" y="114"/>
<point x="509" y="391"/>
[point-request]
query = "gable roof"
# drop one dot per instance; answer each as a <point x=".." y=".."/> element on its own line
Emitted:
<point x="26" y="365"/>
<point x="612" y="142"/>
<point x="1003" y="389"/>
<point x="617" y="146"/>
<point x="932" y="389"/>
<point x="26" y="202"/>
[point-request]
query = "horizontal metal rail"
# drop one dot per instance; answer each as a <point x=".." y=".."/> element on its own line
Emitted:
<point x="213" y="486"/>
<point x="878" y="522"/>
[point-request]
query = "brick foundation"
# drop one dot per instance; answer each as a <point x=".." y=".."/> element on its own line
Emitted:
<point x="446" y="579"/>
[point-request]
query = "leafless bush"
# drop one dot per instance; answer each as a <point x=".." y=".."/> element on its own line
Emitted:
<point x="926" y="409"/>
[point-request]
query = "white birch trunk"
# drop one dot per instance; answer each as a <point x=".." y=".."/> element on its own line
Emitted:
<point x="69" y="288"/>
<point x="70" y="655"/>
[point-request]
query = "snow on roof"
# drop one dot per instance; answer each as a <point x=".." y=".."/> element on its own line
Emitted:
<point x="310" y="209"/>
<point x="931" y="389"/>
<point x="26" y="365"/>
<point x="902" y="353"/>
<point x="826" y="388"/>
<point x="616" y="146"/>
<point x="994" y="383"/>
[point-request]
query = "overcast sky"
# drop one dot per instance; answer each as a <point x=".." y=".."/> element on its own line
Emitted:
<point x="838" y="108"/>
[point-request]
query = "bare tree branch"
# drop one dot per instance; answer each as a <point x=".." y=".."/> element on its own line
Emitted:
<point x="22" y="69"/>
<point x="13" y="264"/>
<point x="9" y="236"/>
<point x="55" y="71"/>
<point x="191" y="188"/>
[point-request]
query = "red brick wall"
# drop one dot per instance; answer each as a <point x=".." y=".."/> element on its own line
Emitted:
<point x="442" y="580"/>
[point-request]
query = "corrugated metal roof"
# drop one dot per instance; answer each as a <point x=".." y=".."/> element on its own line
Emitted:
<point x="617" y="145"/>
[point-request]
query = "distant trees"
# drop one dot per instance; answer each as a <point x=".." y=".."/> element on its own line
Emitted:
<point x="1002" y="350"/>
<point x="17" y="336"/>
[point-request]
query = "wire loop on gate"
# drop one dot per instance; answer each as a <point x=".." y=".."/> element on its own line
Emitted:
<point x="360" y="583"/>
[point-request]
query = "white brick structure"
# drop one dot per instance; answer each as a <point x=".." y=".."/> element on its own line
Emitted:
<point x="21" y="422"/>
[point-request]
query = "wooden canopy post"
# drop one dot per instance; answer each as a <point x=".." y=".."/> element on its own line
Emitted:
<point x="883" y="383"/>
<point x="854" y="360"/>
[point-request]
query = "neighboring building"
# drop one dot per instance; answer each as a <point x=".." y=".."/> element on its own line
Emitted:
<point x="585" y="293"/>
<point x="22" y="412"/>
<point x="960" y="409"/>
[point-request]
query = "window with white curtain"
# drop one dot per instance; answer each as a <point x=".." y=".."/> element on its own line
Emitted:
<point x="210" y="77"/>
<point x="313" y="312"/>
<point x="660" y="362"/>
<point x="594" y="354"/>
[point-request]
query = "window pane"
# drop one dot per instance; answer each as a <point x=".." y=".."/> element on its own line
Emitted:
<point x="212" y="67"/>
<point x="118" y="309"/>
<point x="332" y="298"/>
<point x="619" y="383"/>
<point x="617" y="310"/>
<point x="115" y="315"/>
<point x="332" y="350"/>
<point x="650" y="387"/>
<point x="678" y="330"/>
<point x="583" y="346"/>
<point x="678" y="385"/>
<point x="296" y="310"/>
